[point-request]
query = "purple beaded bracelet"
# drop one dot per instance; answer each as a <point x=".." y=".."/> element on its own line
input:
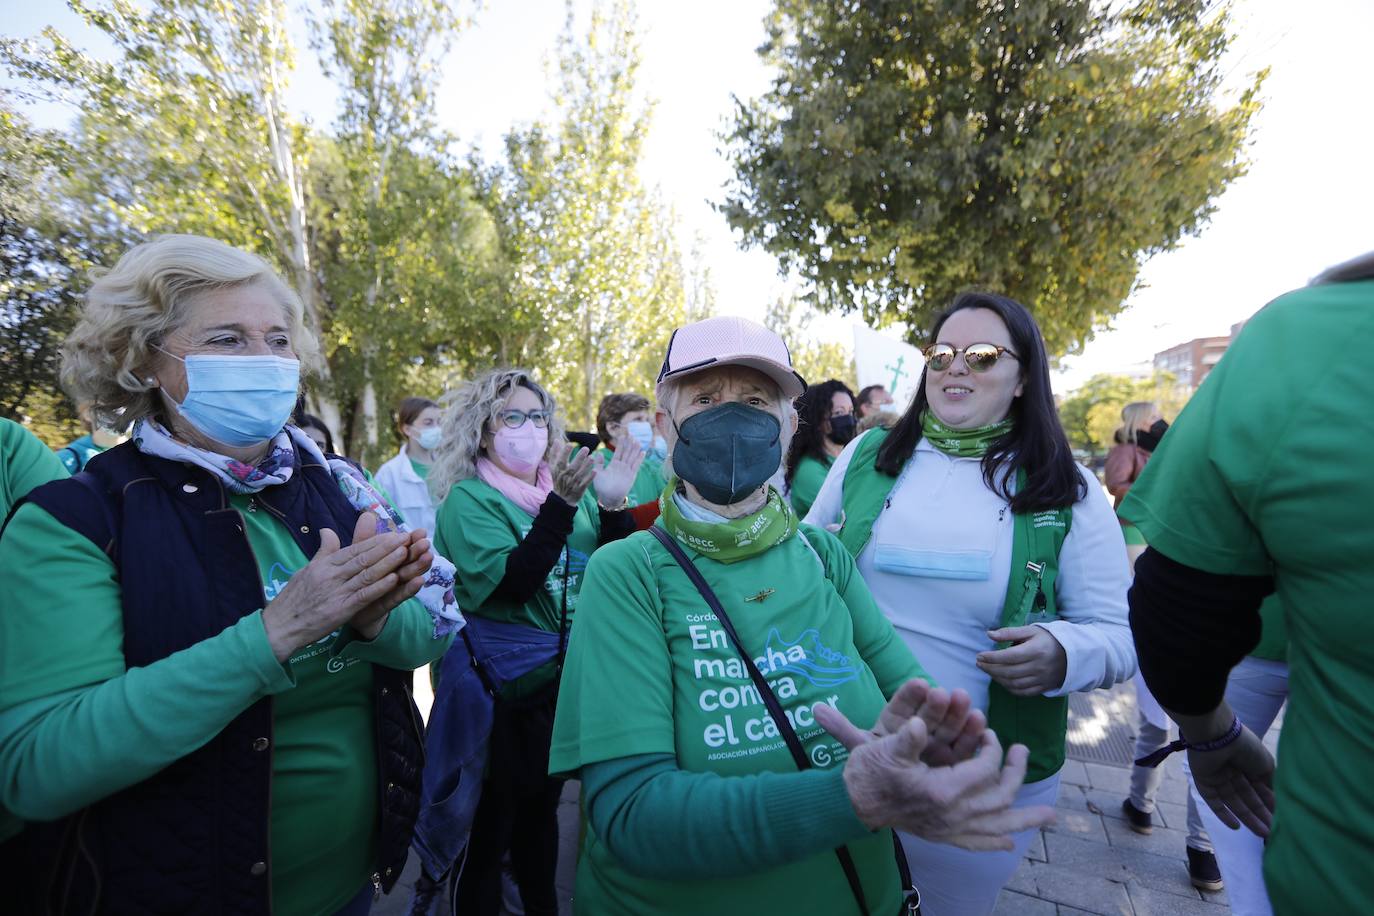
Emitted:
<point x="1216" y="744"/>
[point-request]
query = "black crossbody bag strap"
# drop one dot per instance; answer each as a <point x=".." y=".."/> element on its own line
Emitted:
<point x="789" y="735"/>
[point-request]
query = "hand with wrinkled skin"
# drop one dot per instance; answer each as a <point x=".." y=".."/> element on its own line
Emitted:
<point x="335" y="585"/>
<point x="370" y="621"/>
<point x="613" y="482"/>
<point x="571" y="476"/>
<point x="953" y="726"/>
<point x="1034" y="666"/>
<point x="968" y="805"/>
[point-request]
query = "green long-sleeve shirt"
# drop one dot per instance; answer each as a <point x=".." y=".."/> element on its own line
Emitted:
<point x="659" y="821"/>
<point x="76" y="725"/>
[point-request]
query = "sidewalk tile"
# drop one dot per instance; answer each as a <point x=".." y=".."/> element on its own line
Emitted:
<point x="1149" y="902"/>
<point x="1081" y="824"/>
<point x="1085" y="857"/>
<point x="1161" y="873"/>
<point x="1073" y="774"/>
<point x="1174" y="815"/>
<point x="1174" y="791"/>
<point x="1023" y="880"/>
<point x="1162" y="842"/>
<point x="1036" y="850"/>
<point x="1010" y="903"/>
<point x="1072" y="887"/>
<point x="1111" y="779"/>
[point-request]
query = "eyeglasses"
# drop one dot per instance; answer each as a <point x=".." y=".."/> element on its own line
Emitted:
<point x="514" y="419"/>
<point x="979" y="357"/>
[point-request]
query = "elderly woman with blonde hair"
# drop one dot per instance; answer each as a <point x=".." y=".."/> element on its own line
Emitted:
<point x="209" y="633"/>
<point x="519" y="519"/>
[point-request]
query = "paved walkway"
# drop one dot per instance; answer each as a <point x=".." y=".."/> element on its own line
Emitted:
<point x="1090" y="862"/>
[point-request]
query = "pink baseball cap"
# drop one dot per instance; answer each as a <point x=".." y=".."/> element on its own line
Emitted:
<point x="729" y="341"/>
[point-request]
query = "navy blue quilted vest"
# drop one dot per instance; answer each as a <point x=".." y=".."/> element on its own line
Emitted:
<point x="194" y="838"/>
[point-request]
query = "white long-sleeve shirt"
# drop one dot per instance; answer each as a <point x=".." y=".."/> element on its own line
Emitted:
<point x="950" y="536"/>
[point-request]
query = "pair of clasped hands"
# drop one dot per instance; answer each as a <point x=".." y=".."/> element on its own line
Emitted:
<point x="931" y="767"/>
<point x="357" y="585"/>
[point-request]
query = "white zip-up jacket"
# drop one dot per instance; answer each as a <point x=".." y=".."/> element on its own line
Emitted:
<point x="408" y="492"/>
<point x="940" y="557"/>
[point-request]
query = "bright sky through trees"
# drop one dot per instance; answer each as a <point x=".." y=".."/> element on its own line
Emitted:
<point x="1303" y="206"/>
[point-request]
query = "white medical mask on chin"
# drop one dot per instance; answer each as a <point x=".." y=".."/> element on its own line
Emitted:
<point x="521" y="449"/>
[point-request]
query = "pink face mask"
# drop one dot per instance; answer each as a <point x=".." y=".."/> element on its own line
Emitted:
<point x="521" y="449"/>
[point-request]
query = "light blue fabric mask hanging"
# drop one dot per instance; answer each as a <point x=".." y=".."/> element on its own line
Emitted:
<point x="239" y="400"/>
<point x="972" y="565"/>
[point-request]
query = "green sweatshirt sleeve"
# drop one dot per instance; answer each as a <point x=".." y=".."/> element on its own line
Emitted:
<point x="406" y="641"/>
<point x="882" y="649"/>
<point x="75" y="725"/>
<point x="62" y="752"/>
<point x="662" y="822"/>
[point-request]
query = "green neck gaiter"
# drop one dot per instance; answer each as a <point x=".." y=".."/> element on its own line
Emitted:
<point x="962" y="443"/>
<point x="733" y="540"/>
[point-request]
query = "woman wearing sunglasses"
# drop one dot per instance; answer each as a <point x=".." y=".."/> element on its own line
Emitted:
<point x="991" y="552"/>
<point x="520" y="520"/>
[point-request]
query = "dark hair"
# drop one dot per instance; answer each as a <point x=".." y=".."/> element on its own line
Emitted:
<point x="589" y="441"/>
<point x="613" y="408"/>
<point x="310" y="421"/>
<point x="409" y="411"/>
<point x="813" y="409"/>
<point x="865" y="395"/>
<point x="1036" y="443"/>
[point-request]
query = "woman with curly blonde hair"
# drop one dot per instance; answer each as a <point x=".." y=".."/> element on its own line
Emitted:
<point x="520" y="521"/>
<point x="209" y="632"/>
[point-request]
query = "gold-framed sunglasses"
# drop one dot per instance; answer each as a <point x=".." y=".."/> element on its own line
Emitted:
<point x="979" y="357"/>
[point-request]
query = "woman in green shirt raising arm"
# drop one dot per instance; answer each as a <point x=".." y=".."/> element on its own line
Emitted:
<point x="693" y="798"/>
<point x="520" y="519"/>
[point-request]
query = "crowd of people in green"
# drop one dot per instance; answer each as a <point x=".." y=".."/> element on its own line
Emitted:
<point x="806" y="651"/>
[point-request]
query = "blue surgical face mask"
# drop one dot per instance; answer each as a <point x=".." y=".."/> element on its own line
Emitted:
<point x="429" y="437"/>
<point x="642" y="432"/>
<point x="728" y="452"/>
<point x="659" y="450"/>
<point x="239" y="400"/>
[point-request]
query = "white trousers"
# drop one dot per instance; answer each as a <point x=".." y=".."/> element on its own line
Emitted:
<point x="956" y="882"/>
<point x="1256" y="691"/>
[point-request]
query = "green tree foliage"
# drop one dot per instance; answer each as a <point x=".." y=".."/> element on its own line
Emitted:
<point x="1091" y="414"/>
<point x="816" y="359"/>
<point x="40" y="264"/>
<point x="187" y="130"/>
<point x="594" y="276"/>
<point x="910" y="150"/>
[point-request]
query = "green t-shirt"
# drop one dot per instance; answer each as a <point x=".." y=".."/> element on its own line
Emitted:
<point x="477" y="527"/>
<point x="421" y="470"/>
<point x="25" y="462"/>
<point x="806" y="483"/>
<point x="649" y="482"/>
<point x="649" y="671"/>
<point x="324" y="823"/>
<point x="1267" y="471"/>
<point x="1273" y="644"/>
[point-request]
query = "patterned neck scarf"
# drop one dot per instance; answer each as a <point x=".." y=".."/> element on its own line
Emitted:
<point x="289" y="448"/>
<point x="962" y="443"/>
<point x="729" y="540"/>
